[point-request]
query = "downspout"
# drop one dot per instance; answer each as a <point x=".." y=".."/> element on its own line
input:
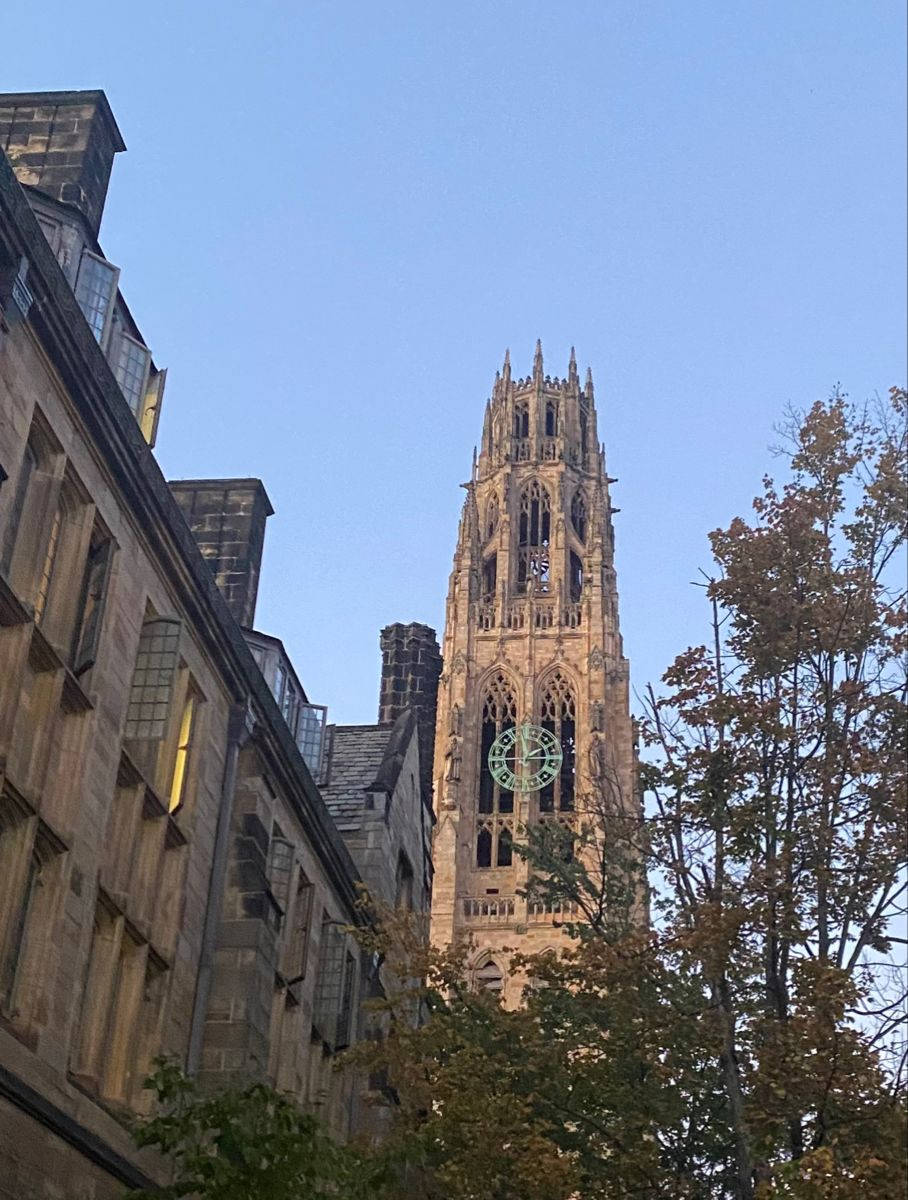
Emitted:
<point x="238" y="729"/>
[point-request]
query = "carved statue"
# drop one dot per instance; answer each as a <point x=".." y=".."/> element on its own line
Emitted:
<point x="596" y="757"/>
<point x="452" y="759"/>
<point x="454" y="725"/>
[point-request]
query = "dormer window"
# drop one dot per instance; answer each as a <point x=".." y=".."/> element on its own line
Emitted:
<point x="95" y="290"/>
<point x="131" y="370"/>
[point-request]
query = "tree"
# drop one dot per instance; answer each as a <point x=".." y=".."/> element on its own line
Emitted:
<point x="780" y="797"/>
<point x="245" y="1144"/>
<point x="744" y="1043"/>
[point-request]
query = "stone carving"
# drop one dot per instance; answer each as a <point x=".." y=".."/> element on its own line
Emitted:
<point x="452" y="759"/>
<point x="596" y="659"/>
<point x="596" y="757"/>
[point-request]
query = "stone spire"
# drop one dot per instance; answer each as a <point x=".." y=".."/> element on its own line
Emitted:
<point x="537" y="363"/>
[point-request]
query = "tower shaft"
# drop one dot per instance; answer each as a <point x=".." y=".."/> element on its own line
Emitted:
<point x="531" y="636"/>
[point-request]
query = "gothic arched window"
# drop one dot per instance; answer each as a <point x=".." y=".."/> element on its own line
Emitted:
<point x="551" y="418"/>
<point x="499" y="712"/>
<point x="534" y="531"/>
<point x="490" y="978"/>
<point x="584" y="433"/>
<point x="496" y="804"/>
<point x="491" y="517"/>
<point x="557" y="713"/>
<point x="578" y="515"/>
<point x="521" y="419"/>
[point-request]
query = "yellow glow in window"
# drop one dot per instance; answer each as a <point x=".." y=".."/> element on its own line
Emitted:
<point x="178" y="783"/>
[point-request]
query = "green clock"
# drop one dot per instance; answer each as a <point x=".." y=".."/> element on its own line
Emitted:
<point x="524" y="758"/>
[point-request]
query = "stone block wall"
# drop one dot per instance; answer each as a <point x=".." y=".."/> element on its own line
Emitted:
<point x="227" y="518"/>
<point x="62" y="143"/>
<point x="411" y="666"/>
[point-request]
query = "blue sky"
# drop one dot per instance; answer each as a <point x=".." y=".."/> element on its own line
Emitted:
<point x="333" y="218"/>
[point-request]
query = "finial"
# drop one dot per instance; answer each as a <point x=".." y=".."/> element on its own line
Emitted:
<point x="588" y="386"/>
<point x="506" y="370"/>
<point x="537" y="361"/>
<point x="572" y="367"/>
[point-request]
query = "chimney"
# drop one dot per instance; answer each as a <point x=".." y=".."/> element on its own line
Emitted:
<point x="227" y="518"/>
<point x="411" y="666"/>
<point x="62" y="144"/>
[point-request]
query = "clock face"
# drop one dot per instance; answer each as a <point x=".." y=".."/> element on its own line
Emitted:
<point x="524" y="758"/>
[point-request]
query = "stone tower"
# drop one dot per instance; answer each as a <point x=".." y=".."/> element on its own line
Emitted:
<point x="531" y="635"/>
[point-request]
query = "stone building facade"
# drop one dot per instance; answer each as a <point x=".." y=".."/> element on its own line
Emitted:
<point x="531" y="636"/>
<point x="171" y="880"/>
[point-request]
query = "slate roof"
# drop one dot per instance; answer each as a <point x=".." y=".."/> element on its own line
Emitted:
<point x="355" y="754"/>
<point x="362" y="758"/>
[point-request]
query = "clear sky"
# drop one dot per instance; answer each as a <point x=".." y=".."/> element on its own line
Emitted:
<point x="333" y="217"/>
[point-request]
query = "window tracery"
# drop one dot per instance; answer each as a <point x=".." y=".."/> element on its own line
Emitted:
<point x="557" y="713"/>
<point x="534" y="533"/>
<point x="490" y="977"/>
<point x="496" y="804"/>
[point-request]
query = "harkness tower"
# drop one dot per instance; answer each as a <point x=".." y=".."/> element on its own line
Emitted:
<point x="531" y="638"/>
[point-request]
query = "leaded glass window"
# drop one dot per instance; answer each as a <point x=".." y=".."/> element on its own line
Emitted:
<point x="95" y="289"/>
<point x="153" y="678"/>
<point x="131" y="371"/>
<point x="310" y="735"/>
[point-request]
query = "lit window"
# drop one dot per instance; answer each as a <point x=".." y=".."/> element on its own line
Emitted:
<point x="181" y="762"/>
<point x="94" y="291"/>
<point x="131" y="371"/>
